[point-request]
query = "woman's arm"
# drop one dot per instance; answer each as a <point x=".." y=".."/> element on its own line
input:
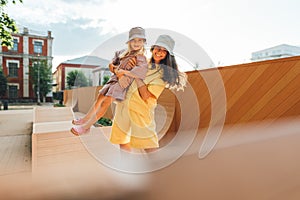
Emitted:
<point x="121" y="72"/>
<point x="143" y="90"/>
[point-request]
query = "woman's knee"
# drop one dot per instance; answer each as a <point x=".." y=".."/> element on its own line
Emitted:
<point x="150" y="150"/>
<point x="125" y="147"/>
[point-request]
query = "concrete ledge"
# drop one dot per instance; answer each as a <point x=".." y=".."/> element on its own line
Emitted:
<point x="15" y="122"/>
<point x="52" y="114"/>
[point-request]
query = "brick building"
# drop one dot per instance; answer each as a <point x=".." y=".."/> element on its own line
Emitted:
<point x="86" y="64"/>
<point x="15" y="63"/>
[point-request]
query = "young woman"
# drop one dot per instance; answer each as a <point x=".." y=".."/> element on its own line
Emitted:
<point x="133" y="124"/>
<point x="131" y="63"/>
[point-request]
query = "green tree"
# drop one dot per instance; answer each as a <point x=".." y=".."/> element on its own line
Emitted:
<point x="105" y="79"/>
<point x="7" y="24"/>
<point x="3" y="84"/>
<point x="42" y="71"/>
<point x="76" y="78"/>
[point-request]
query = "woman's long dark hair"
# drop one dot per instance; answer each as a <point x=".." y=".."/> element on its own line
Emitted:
<point x="171" y="74"/>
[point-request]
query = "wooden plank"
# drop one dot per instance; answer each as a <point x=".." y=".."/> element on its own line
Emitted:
<point x="259" y="86"/>
<point x="290" y="94"/>
<point x="272" y="91"/>
<point x="63" y="158"/>
<point x="60" y="149"/>
<point x="241" y="81"/>
<point x="57" y="141"/>
<point x="290" y="107"/>
<point x="164" y="112"/>
<point x="199" y="87"/>
<point x="235" y="103"/>
<point x="228" y="73"/>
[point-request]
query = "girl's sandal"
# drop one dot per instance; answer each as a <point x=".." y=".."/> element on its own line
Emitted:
<point x="79" y="130"/>
<point x="78" y="121"/>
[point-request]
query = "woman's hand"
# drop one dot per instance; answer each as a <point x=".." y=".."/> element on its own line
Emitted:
<point x="124" y="81"/>
<point x="143" y="90"/>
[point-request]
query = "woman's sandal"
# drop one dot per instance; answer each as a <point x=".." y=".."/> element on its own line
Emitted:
<point x="79" y="130"/>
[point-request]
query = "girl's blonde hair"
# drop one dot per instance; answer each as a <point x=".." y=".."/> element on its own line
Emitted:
<point x="129" y="51"/>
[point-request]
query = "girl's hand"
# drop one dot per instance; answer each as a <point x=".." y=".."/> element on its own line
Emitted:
<point x="112" y="67"/>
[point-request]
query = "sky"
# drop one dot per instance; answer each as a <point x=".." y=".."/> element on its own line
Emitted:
<point x="228" y="31"/>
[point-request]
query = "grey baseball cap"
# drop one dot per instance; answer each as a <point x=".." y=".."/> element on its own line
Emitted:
<point x="167" y="42"/>
<point x="136" y="32"/>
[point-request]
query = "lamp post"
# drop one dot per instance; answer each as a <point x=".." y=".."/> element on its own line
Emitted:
<point x="38" y="81"/>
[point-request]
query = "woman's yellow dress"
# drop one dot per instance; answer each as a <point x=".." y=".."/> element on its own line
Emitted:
<point x="134" y="118"/>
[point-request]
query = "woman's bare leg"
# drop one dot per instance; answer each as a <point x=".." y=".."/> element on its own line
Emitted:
<point x="150" y="150"/>
<point x="125" y="147"/>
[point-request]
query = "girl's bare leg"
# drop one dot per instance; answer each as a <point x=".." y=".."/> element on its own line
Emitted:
<point x="94" y="108"/>
<point x="105" y="102"/>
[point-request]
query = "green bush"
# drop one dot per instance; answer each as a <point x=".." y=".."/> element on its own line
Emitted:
<point x="104" y="121"/>
<point x="58" y="105"/>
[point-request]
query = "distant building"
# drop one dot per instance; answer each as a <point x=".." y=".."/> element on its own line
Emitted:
<point x="280" y="51"/>
<point x="98" y="75"/>
<point x="86" y="64"/>
<point x="15" y="62"/>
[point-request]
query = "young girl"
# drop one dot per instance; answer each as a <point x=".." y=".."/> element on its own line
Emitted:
<point x="131" y="63"/>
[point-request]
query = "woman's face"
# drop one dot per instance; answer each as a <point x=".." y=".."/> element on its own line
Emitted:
<point x="159" y="53"/>
<point x="136" y="44"/>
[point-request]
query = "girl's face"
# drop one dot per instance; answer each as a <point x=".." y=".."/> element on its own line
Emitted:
<point x="159" y="53"/>
<point x="136" y="44"/>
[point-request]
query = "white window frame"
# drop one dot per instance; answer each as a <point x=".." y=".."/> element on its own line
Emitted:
<point x="37" y="40"/>
<point x="14" y="84"/>
<point x="12" y="61"/>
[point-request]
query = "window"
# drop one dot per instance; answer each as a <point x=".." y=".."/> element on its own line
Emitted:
<point x="13" y="91"/>
<point x="12" y="69"/>
<point x="16" y="43"/>
<point x="38" y="46"/>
